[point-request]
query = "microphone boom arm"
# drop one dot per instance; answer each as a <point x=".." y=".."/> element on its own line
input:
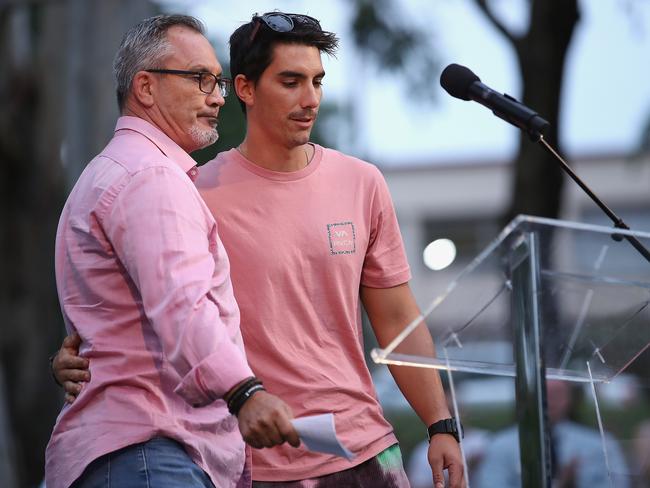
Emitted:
<point x="618" y="222"/>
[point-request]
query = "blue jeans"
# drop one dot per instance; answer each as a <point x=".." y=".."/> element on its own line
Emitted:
<point x="157" y="463"/>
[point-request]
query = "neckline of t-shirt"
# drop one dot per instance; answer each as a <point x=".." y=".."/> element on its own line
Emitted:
<point x="281" y="175"/>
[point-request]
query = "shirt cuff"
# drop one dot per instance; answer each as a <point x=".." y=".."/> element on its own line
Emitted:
<point x="213" y="377"/>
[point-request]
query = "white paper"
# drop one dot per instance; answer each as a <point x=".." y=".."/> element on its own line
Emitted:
<point x="319" y="434"/>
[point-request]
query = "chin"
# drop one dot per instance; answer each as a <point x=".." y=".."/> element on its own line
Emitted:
<point x="204" y="137"/>
<point x="300" y="139"/>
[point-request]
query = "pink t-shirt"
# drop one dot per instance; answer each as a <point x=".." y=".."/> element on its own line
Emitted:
<point x="144" y="279"/>
<point x="300" y="244"/>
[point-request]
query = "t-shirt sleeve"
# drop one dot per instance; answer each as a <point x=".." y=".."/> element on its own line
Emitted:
<point x="385" y="263"/>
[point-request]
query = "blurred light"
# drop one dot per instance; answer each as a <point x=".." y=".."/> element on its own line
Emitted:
<point x="439" y="254"/>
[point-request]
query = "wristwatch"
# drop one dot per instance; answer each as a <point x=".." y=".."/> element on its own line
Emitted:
<point x="445" y="426"/>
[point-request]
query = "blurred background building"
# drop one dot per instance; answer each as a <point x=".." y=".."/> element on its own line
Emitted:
<point x="455" y="171"/>
<point x="464" y="203"/>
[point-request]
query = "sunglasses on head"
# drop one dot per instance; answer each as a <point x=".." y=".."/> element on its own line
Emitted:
<point x="281" y="22"/>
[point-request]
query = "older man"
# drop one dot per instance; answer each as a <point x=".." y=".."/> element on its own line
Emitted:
<point x="144" y="280"/>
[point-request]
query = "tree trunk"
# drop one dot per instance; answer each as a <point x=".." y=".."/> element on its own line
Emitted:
<point x="541" y="53"/>
<point x="538" y="179"/>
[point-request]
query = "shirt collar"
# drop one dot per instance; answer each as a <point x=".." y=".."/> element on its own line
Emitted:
<point x="162" y="141"/>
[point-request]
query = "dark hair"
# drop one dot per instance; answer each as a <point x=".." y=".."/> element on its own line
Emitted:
<point x="145" y="46"/>
<point x="252" y="58"/>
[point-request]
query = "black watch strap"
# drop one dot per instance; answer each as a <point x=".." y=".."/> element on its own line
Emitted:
<point x="445" y="426"/>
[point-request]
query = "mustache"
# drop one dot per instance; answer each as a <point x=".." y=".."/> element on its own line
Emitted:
<point x="304" y="114"/>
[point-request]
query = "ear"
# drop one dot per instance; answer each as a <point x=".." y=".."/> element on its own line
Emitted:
<point x="143" y="88"/>
<point x="245" y="90"/>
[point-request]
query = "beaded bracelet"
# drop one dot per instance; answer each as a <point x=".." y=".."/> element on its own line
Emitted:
<point x="242" y="394"/>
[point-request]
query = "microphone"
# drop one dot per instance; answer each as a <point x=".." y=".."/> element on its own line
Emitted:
<point x="461" y="82"/>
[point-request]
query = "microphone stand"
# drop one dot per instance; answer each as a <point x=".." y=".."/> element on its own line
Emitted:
<point x="618" y="222"/>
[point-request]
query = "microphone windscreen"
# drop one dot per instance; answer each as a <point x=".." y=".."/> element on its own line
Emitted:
<point x="457" y="79"/>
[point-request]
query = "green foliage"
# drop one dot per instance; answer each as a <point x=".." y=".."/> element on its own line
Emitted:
<point x="396" y="47"/>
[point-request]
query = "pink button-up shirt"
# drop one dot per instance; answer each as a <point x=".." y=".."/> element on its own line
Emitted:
<point x="144" y="279"/>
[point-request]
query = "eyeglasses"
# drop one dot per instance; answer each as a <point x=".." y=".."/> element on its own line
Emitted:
<point x="207" y="81"/>
<point x="281" y="22"/>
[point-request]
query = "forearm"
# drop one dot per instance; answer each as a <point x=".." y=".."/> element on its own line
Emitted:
<point x="421" y="387"/>
<point x="390" y="311"/>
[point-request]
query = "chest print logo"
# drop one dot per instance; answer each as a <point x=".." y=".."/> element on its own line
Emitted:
<point x="342" y="238"/>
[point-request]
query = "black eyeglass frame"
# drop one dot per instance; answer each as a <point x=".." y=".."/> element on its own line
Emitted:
<point x="223" y="83"/>
<point x="268" y="19"/>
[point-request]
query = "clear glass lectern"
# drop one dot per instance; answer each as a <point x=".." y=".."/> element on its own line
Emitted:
<point x="546" y="299"/>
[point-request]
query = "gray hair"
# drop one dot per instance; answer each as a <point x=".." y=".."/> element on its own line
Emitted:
<point x="144" y="47"/>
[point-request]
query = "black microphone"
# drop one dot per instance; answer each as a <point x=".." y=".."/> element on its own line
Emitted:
<point x="461" y="82"/>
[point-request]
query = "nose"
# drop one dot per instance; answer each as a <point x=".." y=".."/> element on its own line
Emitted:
<point x="215" y="99"/>
<point x="310" y="97"/>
